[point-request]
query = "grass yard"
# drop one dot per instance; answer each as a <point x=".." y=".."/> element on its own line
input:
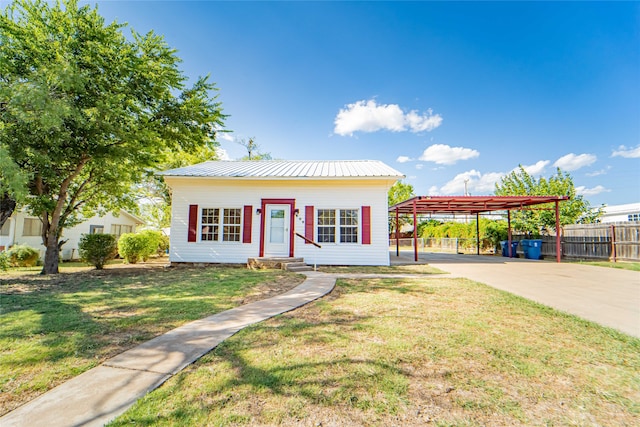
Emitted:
<point x="448" y="352"/>
<point x="391" y="269"/>
<point x="633" y="266"/>
<point x="56" y="327"/>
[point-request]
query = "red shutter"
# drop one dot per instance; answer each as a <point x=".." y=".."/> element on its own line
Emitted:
<point x="193" y="223"/>
<point x="309" y="223"/>
<point x="366" y="225"/>
<point x="246" y="226"/>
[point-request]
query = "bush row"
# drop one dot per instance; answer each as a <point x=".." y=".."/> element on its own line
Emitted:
<point x="96" y="249"/>
<point x="132" y="247"/>
<point x="19" y="256"/>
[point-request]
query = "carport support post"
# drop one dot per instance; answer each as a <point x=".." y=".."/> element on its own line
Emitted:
<point x="509" y="232"/>
<point x="478" y="231"/>
<point x="397" y="234"/>
<point x="558" y="231"/>
<point x="415" y="232"/>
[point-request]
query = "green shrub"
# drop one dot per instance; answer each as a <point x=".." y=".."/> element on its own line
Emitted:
<point x="97" y="249"/>
<point x="134" y="247"/>
<point x="4" y="261"/>
<point x="164" y="244"/>
<point x="23" y="256"/>
<point x="153" y="240"/>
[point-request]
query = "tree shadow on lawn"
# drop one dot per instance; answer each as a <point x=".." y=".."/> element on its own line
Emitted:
<point x="58" y="326"/>
<point x="345" y="383"/>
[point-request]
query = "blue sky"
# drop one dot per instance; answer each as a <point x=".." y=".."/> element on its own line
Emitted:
<point x="444" y="92"/>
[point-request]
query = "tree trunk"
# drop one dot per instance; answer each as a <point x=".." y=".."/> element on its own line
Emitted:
<point x="7" y="206"/>
<point x="51" y="256"/>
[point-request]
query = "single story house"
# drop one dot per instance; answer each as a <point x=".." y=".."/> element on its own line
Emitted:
<point x="22" y="228"/>
<point x="621" y="213"/>
<point x="230" y="211"/>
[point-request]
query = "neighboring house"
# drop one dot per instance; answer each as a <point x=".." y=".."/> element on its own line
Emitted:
<point x="229" y="211"/>
<point x="621" y="213"/>
<point x="22" y="228"/>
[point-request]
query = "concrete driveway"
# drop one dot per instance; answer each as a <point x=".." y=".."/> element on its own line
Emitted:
<point x="608" y="296"/>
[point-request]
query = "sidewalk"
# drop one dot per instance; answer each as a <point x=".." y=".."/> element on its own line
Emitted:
<point x="101" y="394"/>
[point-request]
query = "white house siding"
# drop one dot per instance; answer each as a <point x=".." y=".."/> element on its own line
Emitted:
<point x="621" y="213"/>
<point x="320" y="193"/>
<point x="73" y="234"/>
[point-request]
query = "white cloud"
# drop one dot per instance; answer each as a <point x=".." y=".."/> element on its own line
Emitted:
<point x="222" y="154"/>
<point x="629" y="153"/>
<point x="225" y="136"/>
<point x="584" y="191"/>
<point x="445" y="155"/>
<point x="434" y="191"/>
<point x="368" y="116"/>
<point x="476" y="182"/>
<point x="572" y="162"/>
<point x="487" y="182"/>
<point x="456" y="185"/>
<point x="535" y="169"/>
<point x="600" y="172"/>
<point x="423" y="122"/>
<point x="403" y="159"/>
<point x="419" y="166"/>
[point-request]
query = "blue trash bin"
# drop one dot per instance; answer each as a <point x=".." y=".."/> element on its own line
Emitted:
<point x="505" y="248"/>
<point x="535" y="249"/>
<point x="525" y="243"/>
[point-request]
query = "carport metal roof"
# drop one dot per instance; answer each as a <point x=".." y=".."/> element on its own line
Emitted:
<point x="472" y="205"/>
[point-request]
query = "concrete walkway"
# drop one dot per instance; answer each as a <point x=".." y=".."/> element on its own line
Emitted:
<point x="102" y="393"/>
<point x="608" y="296"/>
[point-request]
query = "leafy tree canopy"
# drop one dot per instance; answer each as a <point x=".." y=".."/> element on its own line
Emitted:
<point x="399" y="192"/>
<point x="537" y="221"/>
<point x="154" y="195"/>
<point x="13" y="184"/>
<point x="88" y="111"/>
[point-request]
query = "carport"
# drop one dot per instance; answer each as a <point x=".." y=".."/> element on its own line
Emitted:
<point x="470" y="205"/>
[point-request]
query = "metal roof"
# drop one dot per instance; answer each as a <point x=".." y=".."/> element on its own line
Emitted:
<point x="470" y="204"/>
<point x="288" y="169"/>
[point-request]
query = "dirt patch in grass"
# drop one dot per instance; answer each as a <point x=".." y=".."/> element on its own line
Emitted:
<point x="405" y="352"/>
<point x="58" y="326"/>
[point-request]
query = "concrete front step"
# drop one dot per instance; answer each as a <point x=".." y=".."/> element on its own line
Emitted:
<point x="284" y="263"/>
<point x="297" y="266"/>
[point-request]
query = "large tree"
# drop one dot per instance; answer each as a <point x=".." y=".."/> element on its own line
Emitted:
<point x="89" y="110"/>
<point x="154" y="195"/>
<point x="542" y="218"/>
<point x="13" y="184"/>
<point x="399" y="192"/>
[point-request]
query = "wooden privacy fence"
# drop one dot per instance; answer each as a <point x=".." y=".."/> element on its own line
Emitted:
<point x="618" y="241"/>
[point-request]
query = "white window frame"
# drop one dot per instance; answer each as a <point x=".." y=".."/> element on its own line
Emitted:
<point x="96" y="229"/>
<point x="31" y="221"/>
<point x="213" y="221"/>
<point x="222" y="227"/>
<point x="338" y="227"/>
<point x="117" y="229"/>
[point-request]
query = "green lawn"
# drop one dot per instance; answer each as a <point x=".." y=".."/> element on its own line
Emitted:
<point x="391" y="269"/>
<point x="633" y="266"/>
<point x="55" y="327"/>
<point x="434" y="351"/>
